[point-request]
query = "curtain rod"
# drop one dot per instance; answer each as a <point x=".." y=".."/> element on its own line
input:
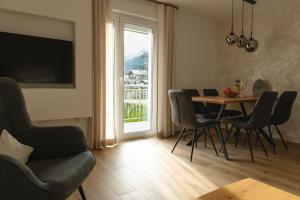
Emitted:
<point x="167" y="4"/>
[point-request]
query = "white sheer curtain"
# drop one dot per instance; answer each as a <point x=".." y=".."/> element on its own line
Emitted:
<point x="103" y="130"/>
<point x="165" y="62"/>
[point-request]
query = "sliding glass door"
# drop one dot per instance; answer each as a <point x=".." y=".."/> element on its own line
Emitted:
<point x="136" y="66"/>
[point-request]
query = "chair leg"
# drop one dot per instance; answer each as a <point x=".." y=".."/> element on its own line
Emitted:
<point x="182" y="131"/>
<point x="271" y="137"/>
<point x="270" y="132"/>
<point x="261" y="143"/>
<point x="264" y="134"/>
<point x="249" y="142"/>
<point x="197" y="138"/>
<point x="212" y="141"/>
<point x="193" y="145"/>
<point x="81" y="191"/>
<point x="282" y="139"/>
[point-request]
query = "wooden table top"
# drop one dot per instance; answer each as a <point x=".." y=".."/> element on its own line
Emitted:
<point x="223" y="100"/>
<point x="248" y="189"/>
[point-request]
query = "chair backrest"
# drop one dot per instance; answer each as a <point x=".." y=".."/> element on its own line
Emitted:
<point x="210" y="92"/>
<point x="283" y="107"/>
<point x="174" y="106"/>
<point x="199" y="106"/>
<point x="182" y="109"/>
<point x="262" y="111"/>
<point x="13" y="114"/>
<point x="212" y="107"/>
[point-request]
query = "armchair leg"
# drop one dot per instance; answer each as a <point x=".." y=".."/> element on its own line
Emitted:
<point x="81" y="191"/>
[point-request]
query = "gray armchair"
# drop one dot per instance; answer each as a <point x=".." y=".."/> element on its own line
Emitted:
<point x="59" y="163"/>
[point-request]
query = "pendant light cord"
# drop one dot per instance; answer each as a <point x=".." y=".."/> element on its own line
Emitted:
<point x="243" y="17"/>
<point x="252" y="22"/>
<point x="232" y="4"/>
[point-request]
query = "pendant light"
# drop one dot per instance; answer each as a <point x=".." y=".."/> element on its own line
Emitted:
<point x="242" y="41"/>
<point x="252" y="43"/>
<point x="231" y="38"/>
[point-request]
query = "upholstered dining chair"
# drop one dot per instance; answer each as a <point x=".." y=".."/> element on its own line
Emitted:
<point x="259" y="118"/>
<point x="59" y="163"/>
<point x="282" y="113"/>
<point x="183" y="115"/>
<point x="200" y="109"/>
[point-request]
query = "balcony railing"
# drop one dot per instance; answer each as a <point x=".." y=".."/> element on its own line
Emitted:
<point x="135" y="103"/>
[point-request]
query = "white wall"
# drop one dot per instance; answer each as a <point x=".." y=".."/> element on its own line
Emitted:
<point x="135" y="7"/>
<point x="194" y="50"/>
<point x="61" y="19"/>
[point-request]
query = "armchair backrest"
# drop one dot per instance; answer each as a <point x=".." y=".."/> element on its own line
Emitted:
<point x="13" y="113"/>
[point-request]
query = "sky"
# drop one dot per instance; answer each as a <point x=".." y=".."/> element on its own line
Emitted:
<point x="135" y="42"/>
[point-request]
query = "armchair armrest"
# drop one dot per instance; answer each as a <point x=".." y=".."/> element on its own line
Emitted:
<point x="18" y="182"/>
<point x="55" y="142"/>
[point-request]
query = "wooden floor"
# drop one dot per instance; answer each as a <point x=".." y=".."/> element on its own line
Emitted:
<point x="145" y="169"/>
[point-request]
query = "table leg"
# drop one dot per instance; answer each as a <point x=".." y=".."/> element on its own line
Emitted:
<point x="219" y="132"/>
<point x="243" y="109"/>
<point x="218" y="129"/>
<point x="219" y="116"/>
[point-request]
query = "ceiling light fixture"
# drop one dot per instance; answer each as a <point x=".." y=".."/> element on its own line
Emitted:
<point x="250" y="45"/>
<point x="232" y="37"/>
<point x="242" y="41"/>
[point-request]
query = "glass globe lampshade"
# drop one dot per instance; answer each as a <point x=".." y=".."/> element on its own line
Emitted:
<point x="231" y="38"/>
<point x="252" y="45"/>
<point x="242" y="42"/>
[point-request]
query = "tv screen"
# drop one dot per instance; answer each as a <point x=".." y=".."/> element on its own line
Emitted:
<point x="36" y="61"/>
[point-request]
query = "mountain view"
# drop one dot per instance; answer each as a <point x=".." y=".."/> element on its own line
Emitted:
<point x="136" y="62"/>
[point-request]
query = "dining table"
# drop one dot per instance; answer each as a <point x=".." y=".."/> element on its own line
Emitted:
<point x="224" y="101"/>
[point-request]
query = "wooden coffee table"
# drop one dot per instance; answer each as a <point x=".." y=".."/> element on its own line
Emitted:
<point x="249" y="189"/>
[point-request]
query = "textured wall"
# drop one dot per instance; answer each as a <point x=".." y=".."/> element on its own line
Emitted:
<point x="277" y="27"/>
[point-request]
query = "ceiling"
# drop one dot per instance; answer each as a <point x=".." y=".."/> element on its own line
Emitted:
<point x="211" y="8"/>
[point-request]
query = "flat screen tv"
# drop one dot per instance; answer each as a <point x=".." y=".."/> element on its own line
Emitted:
<point x="36" y="61"/>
